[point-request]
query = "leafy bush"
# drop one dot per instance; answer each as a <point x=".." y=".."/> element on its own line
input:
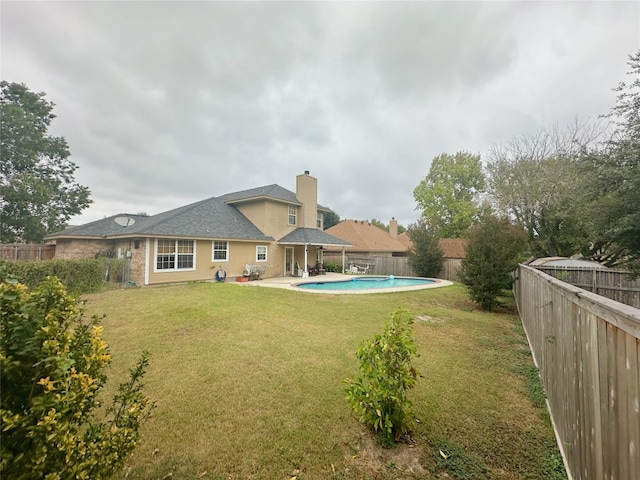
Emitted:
<point x="333" y="267"/>
<point x="492" y="254"/>
<point x="425" y="254"/>
<point x="52" y="365"/>
<point x="78" y="276"/>
<point x="379" y="396"/>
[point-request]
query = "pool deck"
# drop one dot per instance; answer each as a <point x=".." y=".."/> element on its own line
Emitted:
<point x="289" y="283"/>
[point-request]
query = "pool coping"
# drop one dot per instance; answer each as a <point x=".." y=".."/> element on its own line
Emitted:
<point x="291" y="283"/>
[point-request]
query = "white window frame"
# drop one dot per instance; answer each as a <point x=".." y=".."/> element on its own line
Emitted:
<point x="214" y="250"/>
<point x="320" y="221"/>
<point x="292" y="218"/>
<point x="176" y="255"/>
<point x="259" y="252"/>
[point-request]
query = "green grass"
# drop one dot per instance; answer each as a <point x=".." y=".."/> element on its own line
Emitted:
<point x="249" y="384"/>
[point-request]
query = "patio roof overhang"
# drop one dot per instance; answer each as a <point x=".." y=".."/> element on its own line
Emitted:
<point x="312" y="236"/>
<point x="315" y="237"/>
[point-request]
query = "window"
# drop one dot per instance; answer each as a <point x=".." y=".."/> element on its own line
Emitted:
<point x="293" y="213"/>
<point x="320" y="221"/>
<point x="220" y="251"/>
<point x="174" y="254"/>
<point x="261" y="253"/>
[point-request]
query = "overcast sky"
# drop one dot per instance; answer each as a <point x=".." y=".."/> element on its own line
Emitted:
<point x="167" y="103"/>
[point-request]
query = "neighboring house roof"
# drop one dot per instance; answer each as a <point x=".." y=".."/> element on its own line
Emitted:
<point x="211" y="218"/>
<point x="451" y="247"/>
<point x="365" y="237"/>
<point x="312" y="236"/>
<point x="404" y="239"/>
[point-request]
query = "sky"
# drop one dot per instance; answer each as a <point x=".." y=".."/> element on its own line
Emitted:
<point x="168" y="103"/>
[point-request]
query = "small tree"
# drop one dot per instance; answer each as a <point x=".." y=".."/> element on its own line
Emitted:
<point x="379" y="396"/>
<point x="52" y="365"/>
<point x="425" y="254"/>
<point x="494" y="249"/>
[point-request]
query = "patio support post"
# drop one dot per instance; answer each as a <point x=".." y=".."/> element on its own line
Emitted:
<point x="343" y="260"/>
<point x="305" y="273"/>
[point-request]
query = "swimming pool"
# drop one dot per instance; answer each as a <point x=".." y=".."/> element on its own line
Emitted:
<point x="370" y="284"/>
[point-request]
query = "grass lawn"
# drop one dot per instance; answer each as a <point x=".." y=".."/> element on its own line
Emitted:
<point x="249" y="384"/>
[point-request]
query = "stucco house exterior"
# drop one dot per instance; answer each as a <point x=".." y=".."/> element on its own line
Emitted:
<point x="269" y="227"/>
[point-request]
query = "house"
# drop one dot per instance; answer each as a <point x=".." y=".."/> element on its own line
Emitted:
<point x="270" y="229"/>
<point x="367" y="239"/>
<point x="377" y="251"/>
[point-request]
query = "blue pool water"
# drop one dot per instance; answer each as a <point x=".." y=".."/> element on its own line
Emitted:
<point x="367" y="283"/>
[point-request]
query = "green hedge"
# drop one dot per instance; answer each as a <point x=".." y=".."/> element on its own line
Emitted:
<point x="78" y="276"/>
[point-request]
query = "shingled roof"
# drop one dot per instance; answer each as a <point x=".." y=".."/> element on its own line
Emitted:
<point x="312" y="236"/>
<point x="451" y="247"/>
<point x="272" y="192"/>
<point x="211" y="218"/>
<point x="365" y="237"/>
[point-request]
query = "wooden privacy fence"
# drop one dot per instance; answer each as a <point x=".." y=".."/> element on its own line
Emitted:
<point x="399" y="266"/>
<point x="617" y="285"/>
<point x="587" y="349"/>
<point x="26" y="251"/>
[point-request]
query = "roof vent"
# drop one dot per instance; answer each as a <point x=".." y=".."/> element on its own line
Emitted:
<point x="306" y="172"/>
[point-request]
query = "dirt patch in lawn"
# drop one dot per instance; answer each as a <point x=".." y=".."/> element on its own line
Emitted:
<point x="367" y="456"/>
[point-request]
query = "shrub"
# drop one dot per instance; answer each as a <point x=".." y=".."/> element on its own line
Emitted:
<point x="333" y="267"/>
<point x="492" y="254"/>
<point x="78" y="276"/>
<point x="52" y="365"/>
<point x="379" y="396"/>
<point x="425" y="254"/>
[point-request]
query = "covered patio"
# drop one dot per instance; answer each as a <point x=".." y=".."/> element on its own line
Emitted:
<point x="303" y="247"/>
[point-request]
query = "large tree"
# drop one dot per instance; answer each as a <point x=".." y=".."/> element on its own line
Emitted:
<point x="38" y="193"/>
<point x="539" y="182"/>
<point x="615" y="185"/>
<point x="449" y="196"/>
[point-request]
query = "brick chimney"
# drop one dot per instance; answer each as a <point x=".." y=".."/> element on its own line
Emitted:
<point x="307" y="193"/>
<point x="393" y="228"/>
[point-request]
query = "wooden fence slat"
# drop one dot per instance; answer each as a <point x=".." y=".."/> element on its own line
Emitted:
<point x="623" y="411"/>
<point x="587" y="349"/>
<point x="618" y="285"/>
<point x="26" y="251"/>
<point x="632" y="375"/>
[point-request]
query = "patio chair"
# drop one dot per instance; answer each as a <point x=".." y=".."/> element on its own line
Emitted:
<point x="320" y="268"/>
<point x="312" y="270"/>
<point x="258" y="271"/>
